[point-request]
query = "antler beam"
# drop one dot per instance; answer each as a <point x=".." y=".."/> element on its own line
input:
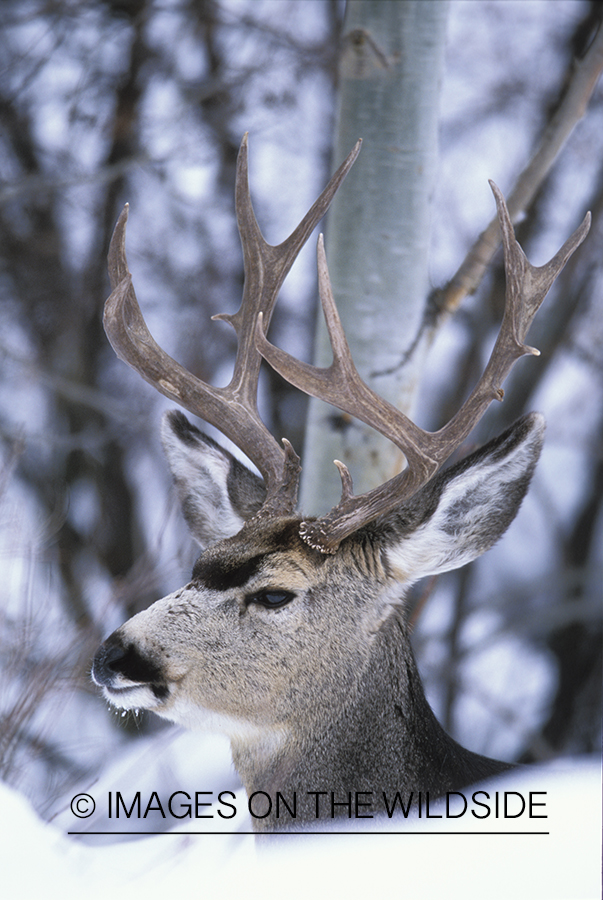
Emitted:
<point x="232" y="409"/>
<point x="425" y="452"/>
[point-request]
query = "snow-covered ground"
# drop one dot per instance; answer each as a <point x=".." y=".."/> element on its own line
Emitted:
<point x="559" y="856"/>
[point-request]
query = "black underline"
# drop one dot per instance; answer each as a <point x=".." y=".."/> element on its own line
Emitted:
<point x="302" y="833"/>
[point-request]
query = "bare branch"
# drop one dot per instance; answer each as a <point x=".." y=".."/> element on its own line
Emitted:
<point x="572" y="108"/>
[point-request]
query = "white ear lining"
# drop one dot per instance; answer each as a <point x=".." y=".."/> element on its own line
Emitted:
<point x="475" y="507"/>
<point x="200" y="470"/>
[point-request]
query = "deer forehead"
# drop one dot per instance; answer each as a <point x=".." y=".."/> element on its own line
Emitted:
<point x="240" y="573"/>
<point x="269" y="556"/>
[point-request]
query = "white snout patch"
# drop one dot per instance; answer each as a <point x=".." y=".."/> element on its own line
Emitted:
<point x="262" y="740"/>
<point x="193" y="717"/>
<point x="242" y="733"/>
<point x="136" y="696"/>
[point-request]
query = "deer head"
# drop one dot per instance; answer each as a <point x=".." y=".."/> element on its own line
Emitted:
<point x="291" y="635"/>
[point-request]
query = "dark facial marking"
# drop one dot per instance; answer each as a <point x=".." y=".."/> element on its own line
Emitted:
<point x="220" y="575"/>
<point x="220" y="568"/>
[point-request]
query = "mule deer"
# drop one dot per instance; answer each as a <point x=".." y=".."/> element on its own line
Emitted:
<point x="292" y="635"/>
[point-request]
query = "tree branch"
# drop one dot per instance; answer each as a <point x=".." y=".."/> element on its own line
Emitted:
<point x="571" y="109"/>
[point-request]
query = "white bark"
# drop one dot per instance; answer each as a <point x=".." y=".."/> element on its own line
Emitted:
<point x="378" y="231"/>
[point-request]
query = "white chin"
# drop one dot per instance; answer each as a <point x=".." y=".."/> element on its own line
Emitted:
<point x="136" y="697"/>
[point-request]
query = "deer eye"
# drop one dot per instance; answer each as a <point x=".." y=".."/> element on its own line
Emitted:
<point x="270" y="599"/>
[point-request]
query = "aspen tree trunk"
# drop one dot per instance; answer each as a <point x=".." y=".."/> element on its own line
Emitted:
<point x="378" y="232"/>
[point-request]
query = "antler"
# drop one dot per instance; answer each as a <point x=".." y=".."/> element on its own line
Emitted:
<point x="232" y="409"/>
<point x="425" y="452"/>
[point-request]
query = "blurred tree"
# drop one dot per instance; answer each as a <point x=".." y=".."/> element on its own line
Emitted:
<point x="390" y="71"/>
<point x="104" y="101"/>
<point x="101" y="102"/>
<point x="566" y="601"/>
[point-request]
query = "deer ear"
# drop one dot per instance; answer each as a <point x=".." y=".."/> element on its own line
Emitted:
<point x="464" y="510"/>
<point x="216" y="491"/>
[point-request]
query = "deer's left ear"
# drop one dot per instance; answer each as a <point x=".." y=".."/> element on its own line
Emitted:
<point x="464" y="510"/>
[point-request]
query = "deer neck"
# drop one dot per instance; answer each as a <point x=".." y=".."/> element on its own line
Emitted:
<point x="351" y="764"/>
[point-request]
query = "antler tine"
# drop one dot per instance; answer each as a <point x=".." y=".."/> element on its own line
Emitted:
<point x="526" y="288"/>
<point x="130" y="338"/>
<point x="266" y="267"/>
<point x="341" y="385"/>
<point x="233" y="409"/>
<point x="425" y="451"/>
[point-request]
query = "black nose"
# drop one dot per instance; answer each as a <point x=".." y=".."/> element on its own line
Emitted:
<point x="115" y="657"/>
<point x="108" y="661"/>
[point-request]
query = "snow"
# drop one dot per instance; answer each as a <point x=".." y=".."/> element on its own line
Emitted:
<point x="556" y="858"/>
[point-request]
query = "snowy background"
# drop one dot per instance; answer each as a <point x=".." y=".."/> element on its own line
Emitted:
<point x="133" y="100"/>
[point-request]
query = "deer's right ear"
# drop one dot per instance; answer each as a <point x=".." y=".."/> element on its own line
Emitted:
<point x="217" y="493"/>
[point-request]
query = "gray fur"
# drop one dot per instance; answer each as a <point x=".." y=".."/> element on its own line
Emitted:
<point x="322" y="693"/>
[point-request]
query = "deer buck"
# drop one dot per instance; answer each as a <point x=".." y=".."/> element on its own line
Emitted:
<point x="292" y="635"/>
